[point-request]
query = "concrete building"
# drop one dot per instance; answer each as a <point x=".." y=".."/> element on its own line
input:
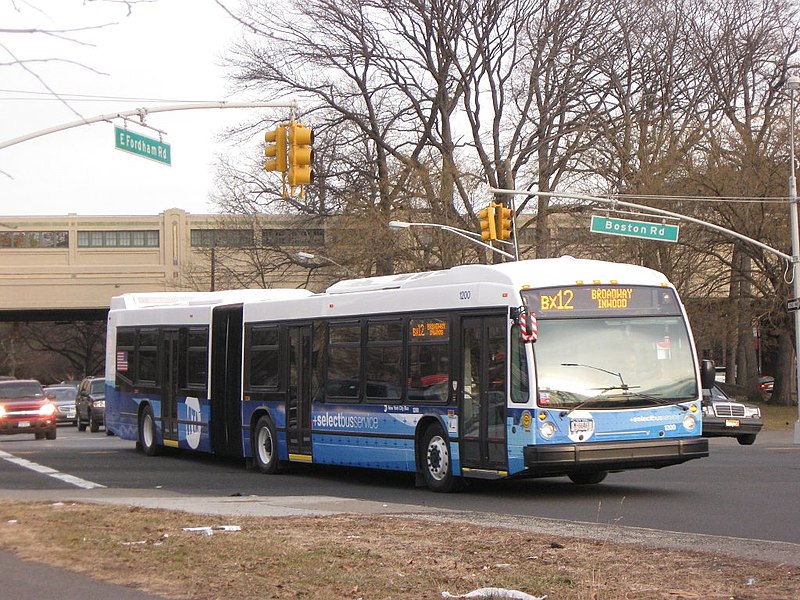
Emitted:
<point x="53" y="264"/>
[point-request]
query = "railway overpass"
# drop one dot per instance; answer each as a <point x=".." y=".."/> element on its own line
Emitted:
<point x="64" y="268"/>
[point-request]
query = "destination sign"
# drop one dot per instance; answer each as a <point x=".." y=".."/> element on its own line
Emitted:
<point x="428" y="328"/>
<point x="588" y="300"/>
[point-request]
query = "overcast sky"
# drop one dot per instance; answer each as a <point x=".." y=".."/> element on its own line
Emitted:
<point x="168" y="50"/>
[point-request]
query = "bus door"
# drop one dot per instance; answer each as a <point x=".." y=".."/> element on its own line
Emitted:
<point x="483" y="394"/>
<point x="298" y="400"/>
<point x="169" y="385"/>
<point x="226" y="380"/>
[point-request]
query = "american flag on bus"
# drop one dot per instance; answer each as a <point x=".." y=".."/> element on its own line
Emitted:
<point x="122" y="360"/>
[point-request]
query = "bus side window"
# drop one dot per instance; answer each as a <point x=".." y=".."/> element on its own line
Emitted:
<point x="263" y="360"/>
<point x="147" y="357"/>
<point x="196" y="358"/>
<point x="343" y="375"/>
<point x="384" y="350"/>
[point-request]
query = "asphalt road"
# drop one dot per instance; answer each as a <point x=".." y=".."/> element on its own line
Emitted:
<point x="748" y="492"/>
<point x="741" y="500"/>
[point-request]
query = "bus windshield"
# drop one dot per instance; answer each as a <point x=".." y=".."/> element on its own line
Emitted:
<point x="614" y="362"/>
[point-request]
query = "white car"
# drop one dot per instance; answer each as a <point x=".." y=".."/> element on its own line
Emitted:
<point x="725" y="417"/>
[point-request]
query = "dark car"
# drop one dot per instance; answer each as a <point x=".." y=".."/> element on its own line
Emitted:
<point x="725" y="417"/>
<point x="24" y="408"/>
<point x="90" y="404"/>
<point x="63" y="396"/>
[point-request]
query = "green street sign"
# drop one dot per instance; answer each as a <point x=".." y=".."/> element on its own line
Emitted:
<point x="637" y="229"/>
<point x="140" y="145"/>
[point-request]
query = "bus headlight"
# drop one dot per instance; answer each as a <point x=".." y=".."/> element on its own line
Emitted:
<point x="689" y="422"/>
<point x="547" y="430"/>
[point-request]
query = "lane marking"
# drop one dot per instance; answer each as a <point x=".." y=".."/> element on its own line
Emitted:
<point x="71" y="479"/>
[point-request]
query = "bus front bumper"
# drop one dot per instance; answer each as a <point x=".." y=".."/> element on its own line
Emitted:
<point x="612" y="456"/>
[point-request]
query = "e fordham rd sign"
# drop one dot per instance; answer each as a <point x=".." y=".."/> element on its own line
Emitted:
<point x="637" y="229"/>
<point x="140" y="145"/>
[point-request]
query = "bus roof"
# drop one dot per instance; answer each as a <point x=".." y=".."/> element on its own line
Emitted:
<point x="464" y="286"/>
<point x="547" y="272"/>
<point x="167" y="299"/>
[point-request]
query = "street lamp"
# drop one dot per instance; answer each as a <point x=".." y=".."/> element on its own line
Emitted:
<point x="793" y="84"/>
<point x="473" y="237"/>
<point x="309" y="256"/>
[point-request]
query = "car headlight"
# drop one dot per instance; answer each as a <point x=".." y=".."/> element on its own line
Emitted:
<point x="99" y="403"/>
<point x="752" y="412"/>
<point x="47" y="410"/>
<point x="547" y="430"/>
<point x="689" y="422"/>
<point x="2" y="411"/>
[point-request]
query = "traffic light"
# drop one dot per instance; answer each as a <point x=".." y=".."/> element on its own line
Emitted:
<point x="503" y="222"/>
<point x="275" y="150"/>
<point x="301" y="155"/>
<point x="488" y="228"/>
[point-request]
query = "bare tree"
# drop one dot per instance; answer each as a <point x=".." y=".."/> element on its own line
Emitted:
<point x="419" y="105"/>
<point x="81" y="343"/>
<point x="747" y="50"/>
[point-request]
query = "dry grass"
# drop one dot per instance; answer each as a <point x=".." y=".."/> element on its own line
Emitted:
<point x="778" y="418"/>
<point x="369" y="557"/>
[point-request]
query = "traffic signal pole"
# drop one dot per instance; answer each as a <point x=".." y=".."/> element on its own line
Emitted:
<point x="142" y="114"/>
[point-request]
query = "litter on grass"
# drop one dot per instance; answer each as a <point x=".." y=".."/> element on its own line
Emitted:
<point x="493" y="592"/>
<point x="209" y="530"/>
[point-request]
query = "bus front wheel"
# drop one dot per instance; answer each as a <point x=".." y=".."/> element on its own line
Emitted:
<point x="147" y="432"/>
<point x="265" y="446"/>
<point x="437" y="465"/>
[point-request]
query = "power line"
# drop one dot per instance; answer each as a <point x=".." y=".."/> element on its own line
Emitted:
<point x="85" y="97"/>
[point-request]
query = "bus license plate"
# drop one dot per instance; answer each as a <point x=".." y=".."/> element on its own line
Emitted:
<point x="580" y="425"/>
<point x="731" y="422"/>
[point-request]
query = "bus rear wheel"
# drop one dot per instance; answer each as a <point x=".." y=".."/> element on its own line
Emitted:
<point x="588" y="478"/>
<point x="265" y="446"/>
<point x="437" y="465"/>
<point x="147" y="432"/>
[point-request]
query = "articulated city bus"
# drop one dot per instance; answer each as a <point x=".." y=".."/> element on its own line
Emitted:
<point x="532" y="368"/>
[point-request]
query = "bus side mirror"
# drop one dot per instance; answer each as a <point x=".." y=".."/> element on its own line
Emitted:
<point x="708" y="374"/>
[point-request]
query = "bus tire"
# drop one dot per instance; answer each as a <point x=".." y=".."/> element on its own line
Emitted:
<point x="147" y="432"/>
<point x="437" y="464"/>
<point x="265" y="446"/>
<point x="588" y="478"/>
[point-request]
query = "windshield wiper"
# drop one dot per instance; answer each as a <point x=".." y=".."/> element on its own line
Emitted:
<point x="626" y="389"/>
<point x="623" y="386"/>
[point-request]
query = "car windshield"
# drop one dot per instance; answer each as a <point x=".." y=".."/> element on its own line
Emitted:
<point x="21" y="389"/>
<point x="619" y="362"/>
<point x="62" y="393"/>
<point x="98" y="386"/>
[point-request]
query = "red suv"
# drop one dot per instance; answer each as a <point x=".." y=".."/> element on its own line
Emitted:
<point x="24" y="408"/>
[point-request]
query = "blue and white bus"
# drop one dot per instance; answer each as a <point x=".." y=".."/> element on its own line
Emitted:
<point x="433" y="373"/>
